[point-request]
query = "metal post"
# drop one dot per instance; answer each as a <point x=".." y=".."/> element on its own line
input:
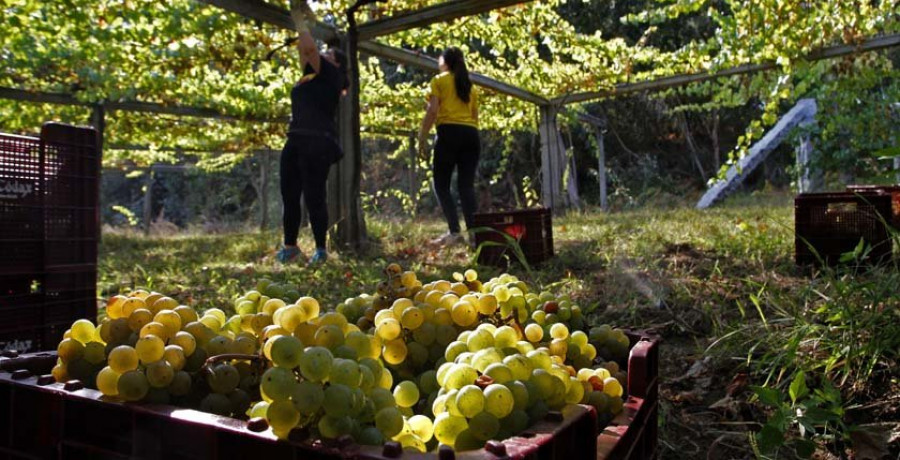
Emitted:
<point x="805" y="181"/>
<point x="148" y="200"/>
<point x="413" y="163"/>
<point x="264" y="189"/>
<point x="601" y="169"/>
<point x="551" y="169"/>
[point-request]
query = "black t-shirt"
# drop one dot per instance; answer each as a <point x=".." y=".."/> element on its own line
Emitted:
<point x="314" y="101"/>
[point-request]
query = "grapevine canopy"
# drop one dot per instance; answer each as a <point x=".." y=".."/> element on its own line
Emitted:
<point x="192" y="54"/>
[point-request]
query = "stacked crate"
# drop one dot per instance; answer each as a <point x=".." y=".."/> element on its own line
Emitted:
<point x="829" y="225"/>
<point x="49" y="234"/>
<point x="498" y="233"/>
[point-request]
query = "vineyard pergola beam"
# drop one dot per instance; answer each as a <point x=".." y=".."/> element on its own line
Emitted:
<point x="280" y="17"/>
<point x="130" y="106"/>
<point x="422" y="61"/>
<point x="872" y="44"/>
<point x="442" y="12"/>
<point x="270" y="14"/>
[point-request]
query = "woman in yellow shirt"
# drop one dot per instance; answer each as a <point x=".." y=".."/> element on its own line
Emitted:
<point x="453" y="106"/>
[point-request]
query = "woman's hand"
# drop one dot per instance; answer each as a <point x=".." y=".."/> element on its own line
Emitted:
<point x="422" y="148"/>
<point x="302" y="15"/>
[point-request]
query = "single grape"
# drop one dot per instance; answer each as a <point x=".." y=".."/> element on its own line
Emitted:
<point x="388" y="329"/>
<point x="463" y="313"/>
<point x="612" y="387"/>
<point x="389" y="421"/>
<point x="131" y="304"/>
<point x="470" y="400"/>
<point x="338" y="401"/>
<point x="122" y="359"/>
<point x="315" y="363"/>
<point x="447" y="427"/>
<point x="259" y="409"/>
<point x="486" y="357"/>
<point x="94" y="353"/>
<point x="484" y="425"/>
<point x="307" y="398"/>
<point x="406" y="393"/>
<point x="70" y="350"/>
<point x="282" y="415"/>
<point x="520" y="394"/>
<point x="459" y="376"/>
<point x="519" y="365"/>
<point x="150" y="348"/>
<point x="499" y="400"/>
<point x="370" y="436"/>
<point x="394" y="351"/>
<point x="154" y="328"/>
<point x="160" y="374"/>
<point x="345" y="372"/>
<point x="132" y="386"/>
<point x="334" y="427"/>
<point x="187" y="314"/>
<point x="170" y="320"/>
<point x="108" y="381"/>
<point x="181" y="384"/>
<point x="382" y="398"/>
<point x="174" y="354"/>
<point x="412" y="318"/>
<point x="286" y="351"/>
<point x="83" y="331"/>
<point x="534" y="333"/>
<point x="276" y="383"/>
<point x="329" y="336"/>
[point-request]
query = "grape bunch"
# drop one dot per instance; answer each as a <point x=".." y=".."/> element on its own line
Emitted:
<point x="494" y="384"/>
<point x="449" y="362"/>
<point x="149" y="348"/>
<point x="327" y="376"/>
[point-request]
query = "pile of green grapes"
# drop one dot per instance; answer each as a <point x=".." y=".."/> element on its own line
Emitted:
<point x="449" y="362"/>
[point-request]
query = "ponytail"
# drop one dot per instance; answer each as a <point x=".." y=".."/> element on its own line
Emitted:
<point x="453" y="58"/>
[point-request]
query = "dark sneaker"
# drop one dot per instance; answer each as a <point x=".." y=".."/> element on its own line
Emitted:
<point x="319" y="257"/>
<point x="287" y="254"/>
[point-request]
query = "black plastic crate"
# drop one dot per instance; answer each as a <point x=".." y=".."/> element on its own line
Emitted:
<point x="49" y="207"/>
<point x="35" y="311"/>
<point x="828" y="225"/>
<point x="892" y="190"/>
<point x="21" y="204"/>
<point x="531" y="228"/>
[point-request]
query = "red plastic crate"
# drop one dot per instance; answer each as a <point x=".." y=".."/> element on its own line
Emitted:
<point x="54" y="423"/>
<point x="634" y="433"/>
<point x="532" y="228"/>
<point x="831" y="224"/>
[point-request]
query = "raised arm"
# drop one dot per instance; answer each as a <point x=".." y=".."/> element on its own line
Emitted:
<point x="303" y="17"/>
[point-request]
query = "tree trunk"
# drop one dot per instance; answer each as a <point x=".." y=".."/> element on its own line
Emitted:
<point x="714" y="135"/>
<point x="263" y="191"/>
<point x="692" y="146"/>
<point x="601" y="169"/>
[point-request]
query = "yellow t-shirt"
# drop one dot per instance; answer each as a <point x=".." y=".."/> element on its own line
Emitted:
<point x="453" y="110"/>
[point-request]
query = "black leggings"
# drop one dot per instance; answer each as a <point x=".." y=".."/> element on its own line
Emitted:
<point x="458" y="146"/>
<point x="305" y="161"/>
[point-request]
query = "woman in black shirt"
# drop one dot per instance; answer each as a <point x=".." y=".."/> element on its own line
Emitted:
<point x="312" y="145"/>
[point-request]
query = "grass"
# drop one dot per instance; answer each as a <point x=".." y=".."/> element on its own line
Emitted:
<point x="718" y="285"/>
